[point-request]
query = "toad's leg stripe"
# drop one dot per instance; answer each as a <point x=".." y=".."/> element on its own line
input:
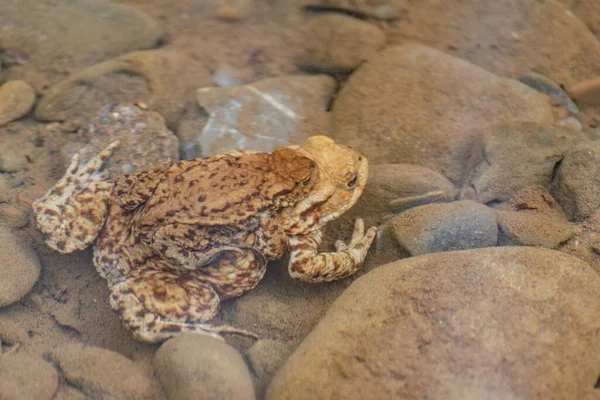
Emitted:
<point x="309" y="266"/>
<point x="73" y="211"/>
<point x="157" y="304"/>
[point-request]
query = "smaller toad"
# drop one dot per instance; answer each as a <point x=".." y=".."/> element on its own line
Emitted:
<point x="174" y="241"/>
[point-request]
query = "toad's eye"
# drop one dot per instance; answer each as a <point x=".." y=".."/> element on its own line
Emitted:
<point x="352" y="183"/>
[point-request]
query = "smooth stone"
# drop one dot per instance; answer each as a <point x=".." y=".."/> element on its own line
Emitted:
<point x="14" y="217"/>
<point x="405" y="203"/>
<point x="576" y="185"/>
<point x="398" y="181"/>
<point x="265" y="358"/>
<point x="46" y="51"/>
<point x="548" y="86"/>
<point x="496" y="323"/>
<point x="506" y="37"/>
<point x="587" y="92"/>
<point x="263" y="115"/>
<point x="361" y="10"/>
<point x="446" y="227"/>
<point x="438" y="124"/>
<point x="26" y="377"/>
<point x="518" y="154"/>
<point x="11" y="161"/>
<point x="103" y="374"/>
<point x="201" y="367"/>
<point x="144" y="139"/>
<point x="164" y="81"/>
<point x="16" y="100"/>
<point x="535" y="199"/>
<point x="531" y="229"/>
<point x="588" y="11"/>
<point x="19" y="268"/>
<point x="339" y="43"/>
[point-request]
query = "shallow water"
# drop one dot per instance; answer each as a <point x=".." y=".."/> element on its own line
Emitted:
<point x="479" y="120"/>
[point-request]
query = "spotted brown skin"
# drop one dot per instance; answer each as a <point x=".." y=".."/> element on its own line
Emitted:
<point x="174" y="241"/>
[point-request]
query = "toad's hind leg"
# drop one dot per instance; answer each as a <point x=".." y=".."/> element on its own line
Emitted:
<point x="157" y="304"/>
<point x="73" y="211"/>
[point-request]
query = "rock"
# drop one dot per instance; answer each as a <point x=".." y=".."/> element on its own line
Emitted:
<point x="101" y="373"/>
<point x="530" y="229"/>
<point x="588" y="11"/>
<point x="338" y="43"/>
<point x="576" y="186"/>
<point x="584" y="10"/>
<point x="587" y="92"/>
<point x="14" y="217"/>
<point x="11" y="161"/>
<point x="233" y="10"/>
<point x="265" y="358"/>
<point x="19" y="268"/>
<point x="264" y="115"/>
<point x="406" y="185"/>
<point x="446" y="227"/>
<point x="226" y="76"/>
<point x="386" y="11"/>
<point x="16" y="100"/>
<point x="497" y="323"/>
<point x="97" y="30"/>
<point x="202" y="367"/>
<point x="516" y="155"/>
<point x="164" y="80"/>
<point x="545" y="85"/>
<point x="69" y="393"/>
<point x="440" y="122"/>
<point x="535" y="199"/>
<point x="26" y="377"/>
<point x="542" y="36"/>
<point x="144" y="139"/>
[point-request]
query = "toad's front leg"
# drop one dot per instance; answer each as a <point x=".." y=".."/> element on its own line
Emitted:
<point x="308" y="265"/>
<point x="73" y="211"/>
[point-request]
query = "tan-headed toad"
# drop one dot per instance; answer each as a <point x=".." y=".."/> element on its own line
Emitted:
<point x="174" y="241"/>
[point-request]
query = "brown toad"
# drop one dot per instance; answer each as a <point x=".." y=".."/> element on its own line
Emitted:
<point x="174" y="241"/>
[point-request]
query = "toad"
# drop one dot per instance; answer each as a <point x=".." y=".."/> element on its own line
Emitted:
<point x="174" y="241"/>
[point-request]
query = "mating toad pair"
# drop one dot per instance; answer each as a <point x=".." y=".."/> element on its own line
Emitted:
<point x="174" y="241"/>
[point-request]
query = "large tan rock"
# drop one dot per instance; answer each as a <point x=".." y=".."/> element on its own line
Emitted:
<point x="496" y="323"/>
<point x="509" y="37"/>
<point x="414" y="104"/>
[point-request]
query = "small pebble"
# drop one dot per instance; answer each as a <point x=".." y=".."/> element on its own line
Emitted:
<point x="13" y="217"/>
<point x="11" y="161"/>
<point x="16" y="100"/>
